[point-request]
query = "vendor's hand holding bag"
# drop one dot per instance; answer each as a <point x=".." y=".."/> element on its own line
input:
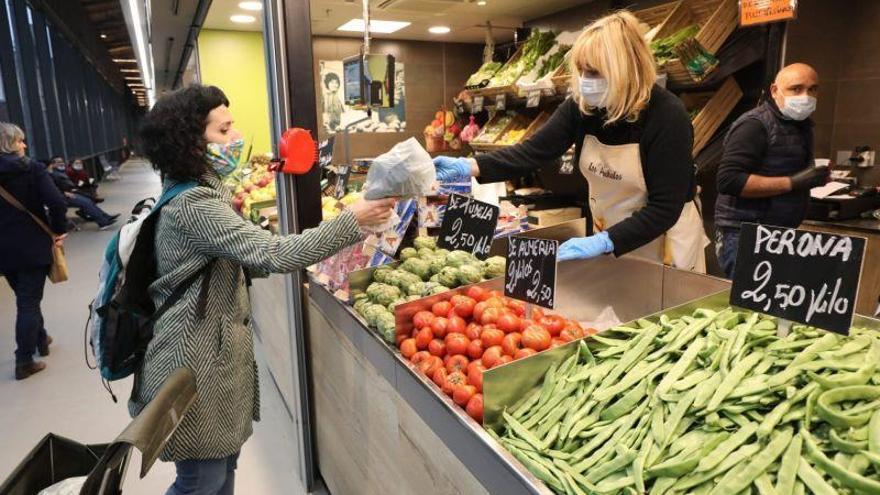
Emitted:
<point x="58" y="270"/>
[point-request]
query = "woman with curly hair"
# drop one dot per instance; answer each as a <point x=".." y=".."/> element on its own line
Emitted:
<point x="189" y="136"/>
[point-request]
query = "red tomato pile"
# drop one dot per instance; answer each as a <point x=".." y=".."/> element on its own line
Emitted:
<point x="455" y="342"/>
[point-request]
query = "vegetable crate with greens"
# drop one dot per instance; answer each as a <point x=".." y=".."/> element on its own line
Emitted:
<point x="711" y="403"/>
<point x="424" y="270"/>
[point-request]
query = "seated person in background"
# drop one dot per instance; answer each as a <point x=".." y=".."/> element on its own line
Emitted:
<point x="57" y="163"/>
<point x="88" y="210"/>
<point x="78" y="174"/>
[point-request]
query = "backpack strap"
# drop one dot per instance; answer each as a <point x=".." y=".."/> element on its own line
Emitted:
<point x="181" y="289"/>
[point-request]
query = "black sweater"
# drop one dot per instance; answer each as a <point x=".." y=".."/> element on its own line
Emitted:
<point x="665" y="137"/>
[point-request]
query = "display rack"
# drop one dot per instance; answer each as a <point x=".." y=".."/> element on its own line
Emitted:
<point x="709" y="119"/>
<point x="717" y="19"/>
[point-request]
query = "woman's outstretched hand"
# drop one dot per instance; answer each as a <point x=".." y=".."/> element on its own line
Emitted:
<point x="372" y="212"/>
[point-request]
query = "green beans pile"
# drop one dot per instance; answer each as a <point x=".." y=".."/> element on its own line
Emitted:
<point x="712" y="403"/>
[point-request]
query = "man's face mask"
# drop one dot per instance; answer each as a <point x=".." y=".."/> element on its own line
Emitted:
<point x="799" y="107"/>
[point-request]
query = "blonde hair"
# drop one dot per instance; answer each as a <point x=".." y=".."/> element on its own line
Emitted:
<point x="10" y="135"/>
<point x="615" y="47"/>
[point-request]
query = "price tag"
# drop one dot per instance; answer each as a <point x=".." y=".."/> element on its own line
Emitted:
<point x="325" y="152"/>
<point x="533" y="99"/>
<point x="809" y="277"/>
<point x="531" y="270"/>
<point x="343" y="173"/>
<point x="478" y="104"/>
<point x="468" y="225"/>
<point x="501" y="102"/>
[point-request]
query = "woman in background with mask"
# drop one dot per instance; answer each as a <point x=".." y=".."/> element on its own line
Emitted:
<point x="189" y="136"/>
<point x="633" y="143"/>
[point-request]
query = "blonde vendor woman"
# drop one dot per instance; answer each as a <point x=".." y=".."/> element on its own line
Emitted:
<point x="633" y="142"/>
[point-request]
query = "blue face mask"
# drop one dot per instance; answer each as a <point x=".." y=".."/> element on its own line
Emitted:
<point x="593" y="90"/>
<point x="224" y="158"/>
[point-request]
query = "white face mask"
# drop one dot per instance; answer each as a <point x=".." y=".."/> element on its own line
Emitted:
<point x="798" y="107"/>
<point x="593" y="90"/>
<point x="77" y="166"/>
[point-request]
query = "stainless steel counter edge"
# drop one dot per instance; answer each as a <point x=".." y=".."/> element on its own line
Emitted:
<point x="493" y="466"/>
<point x="866" y="225"/>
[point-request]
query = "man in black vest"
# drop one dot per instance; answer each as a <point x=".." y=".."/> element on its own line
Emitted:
<point x="767" y="170"/>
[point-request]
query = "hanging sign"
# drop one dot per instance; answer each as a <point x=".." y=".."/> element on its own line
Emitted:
<point x="478" y="104"/>
<point x="531" y="270"/>
<point x="533" y="99"/>
<point x="468" y="225"/>
<point x="809" y="277"/>
<point x="501" y="102"/>
<point x="343" y="173"/>
<point x="753" y="12"/>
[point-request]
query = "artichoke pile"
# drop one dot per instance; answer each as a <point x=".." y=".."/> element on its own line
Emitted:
<point x="424" y="270"/>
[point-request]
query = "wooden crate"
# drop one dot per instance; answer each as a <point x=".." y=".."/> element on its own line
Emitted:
<point x="714" y="112"/>
<point x="717" y="20"/>
<point x="487" y="145"/>
<point x="666" y="19"/>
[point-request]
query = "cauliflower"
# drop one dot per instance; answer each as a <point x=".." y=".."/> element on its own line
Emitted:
<point x="395" y="303"/>
<point x="383" y="294"/>
<point x="406" y="279"/>
<point x="458" y="258"/>
<point x="470" y="274"/>
<point x="381" y="274"/>
<point x="418" y="267"/>
<point x="386" y="326"/>
<point x="441" y="252"/>
<point x="374" y="312"/>
<point x="448" y="276"/>
<point x="425" y="242"/>
<point x="494" y="267"/>
<point x="438" y="290"/>
<point x="426" y="254"/>
<point x="413" y="297"/>
<point x="435" y="279"/>
<point x="407" y="253"/>
<point x="394" y="276"/>
<point x="437" y="264"/>
<point x="416" y="289"/>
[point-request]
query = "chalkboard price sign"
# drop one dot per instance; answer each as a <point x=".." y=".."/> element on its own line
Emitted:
<point x="468" y="225"/>
<point x="803" y="276"/>
<point x="531" y="270"/>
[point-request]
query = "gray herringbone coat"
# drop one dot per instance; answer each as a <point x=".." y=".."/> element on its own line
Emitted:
<point x="194" y="228"/>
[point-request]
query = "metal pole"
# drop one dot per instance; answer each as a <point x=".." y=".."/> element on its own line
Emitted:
<point x="292" y="90"/>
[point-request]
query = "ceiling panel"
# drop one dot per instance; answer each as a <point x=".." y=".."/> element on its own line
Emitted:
<point x="466" y="19"/>
<point x="222" y="10"/>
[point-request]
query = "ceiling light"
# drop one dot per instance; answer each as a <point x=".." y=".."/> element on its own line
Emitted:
<point x="439" y="30"/>
<point x="129" y="70"/>
<point x="255" y="6"/>
<point x="242" y="18"/>
<point x="125" y="60"/>
<point x="103" y="36"/>
<point x="386" y="27"/>
<point x="138" y="78"/>
<point x="481" y="3"/>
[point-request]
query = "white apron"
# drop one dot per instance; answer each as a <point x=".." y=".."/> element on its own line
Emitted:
<point x="618" y="189"/>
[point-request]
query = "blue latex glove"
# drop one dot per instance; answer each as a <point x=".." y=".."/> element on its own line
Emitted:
<point x="582" y="248"/>
<point x="449" y="169"/>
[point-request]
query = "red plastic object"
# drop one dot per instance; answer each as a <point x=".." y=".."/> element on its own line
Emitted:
<point x="299" y="151"/>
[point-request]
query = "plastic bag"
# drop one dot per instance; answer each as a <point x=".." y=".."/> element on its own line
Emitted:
<point x="70" y="486"/>
<point x="405" y="171"/>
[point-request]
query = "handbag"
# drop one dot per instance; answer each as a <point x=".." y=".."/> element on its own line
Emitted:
<point x="58" y="271"/>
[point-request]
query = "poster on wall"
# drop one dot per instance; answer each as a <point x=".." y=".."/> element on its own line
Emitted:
<point x="336" y="115"/>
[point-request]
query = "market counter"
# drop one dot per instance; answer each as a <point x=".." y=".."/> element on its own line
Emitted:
<point x="381" y="427"/>
<point x="869" y="288"/>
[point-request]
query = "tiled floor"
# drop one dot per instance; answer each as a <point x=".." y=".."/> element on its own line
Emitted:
<point x="68" y="398"/>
